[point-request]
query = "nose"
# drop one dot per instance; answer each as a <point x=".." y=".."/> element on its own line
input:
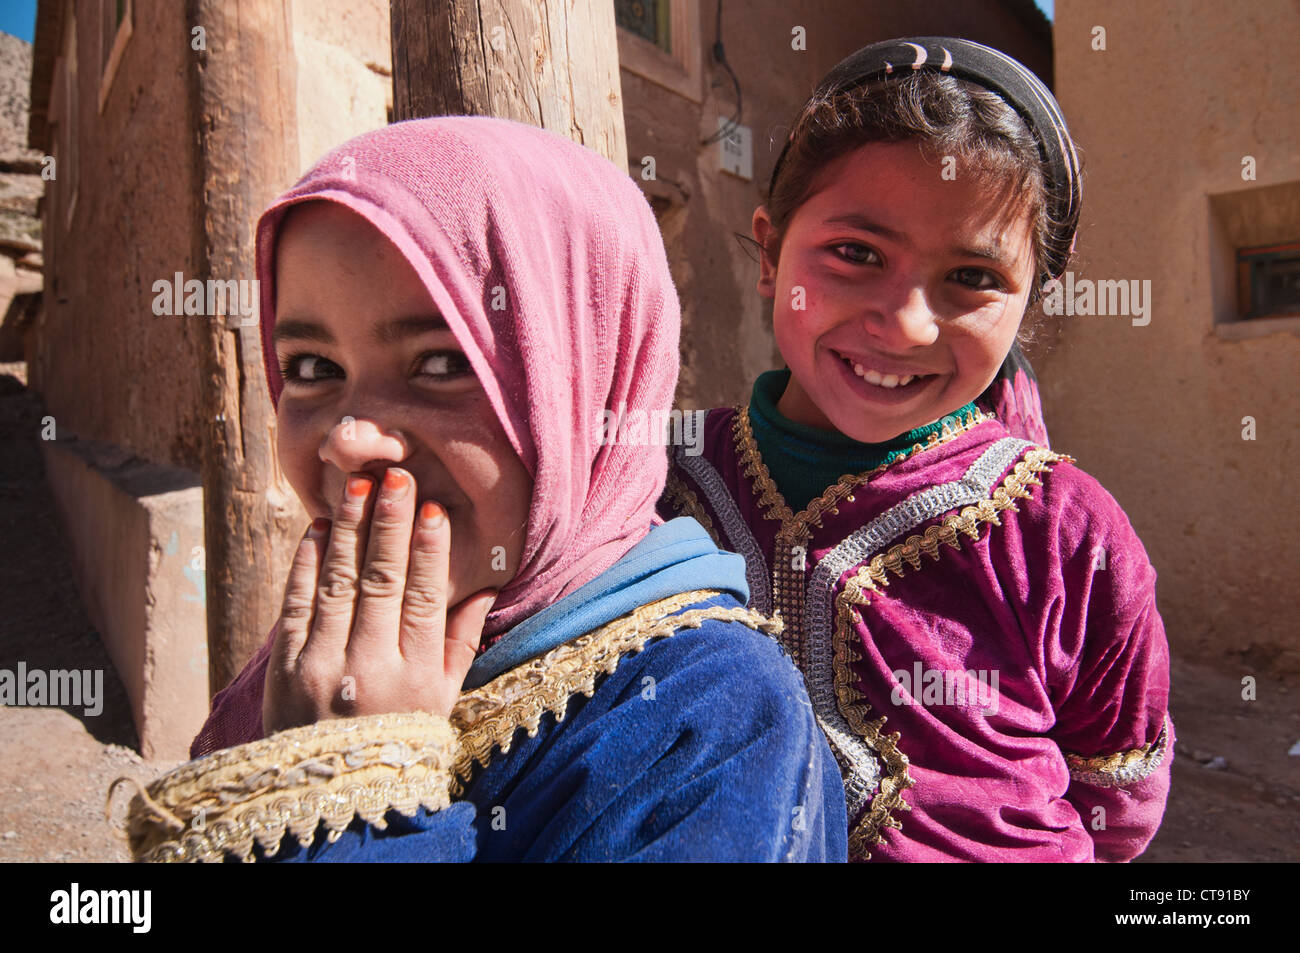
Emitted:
<point x="901" y="317"/>
<point x="355" y="443"/>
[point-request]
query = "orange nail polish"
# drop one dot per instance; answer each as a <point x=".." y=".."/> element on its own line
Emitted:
<point x="358" y="487"/>
<point x="431" y="514"/>
<point x="395" y="481"/>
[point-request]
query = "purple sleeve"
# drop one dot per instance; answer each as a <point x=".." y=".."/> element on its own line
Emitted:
<point x="236" y="716"/>
<point x="1108" y="677"/>
<point x="1123" y="820"/>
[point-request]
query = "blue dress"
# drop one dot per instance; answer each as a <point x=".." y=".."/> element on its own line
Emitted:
<point x="642" y="717"/>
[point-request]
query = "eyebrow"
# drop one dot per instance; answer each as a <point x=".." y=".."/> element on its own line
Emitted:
<point x="986" y="251"/>
<point x="298" y="329"/>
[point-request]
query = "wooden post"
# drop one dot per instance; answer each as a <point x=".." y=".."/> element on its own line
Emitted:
<point x="550" y="63"/>
<point x="243" y="92"/>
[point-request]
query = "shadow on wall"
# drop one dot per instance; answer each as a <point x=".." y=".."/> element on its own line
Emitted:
<point x="43" y="624"/>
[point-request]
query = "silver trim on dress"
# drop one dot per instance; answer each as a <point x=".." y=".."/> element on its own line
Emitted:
<point x="862" y="769"/>
<point x="724" y="507"/>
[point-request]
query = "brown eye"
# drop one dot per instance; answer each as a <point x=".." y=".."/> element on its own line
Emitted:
<point x="445" y="364"/>
<point x="977" y="279"/>
<point x="308" y="369"/>
<point x="855" y="253"/>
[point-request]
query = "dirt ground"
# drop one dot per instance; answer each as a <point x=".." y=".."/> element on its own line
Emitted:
<point x="1235" y="796"/>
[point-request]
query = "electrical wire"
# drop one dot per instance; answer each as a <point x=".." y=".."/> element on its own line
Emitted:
<point x="720" y="57"/>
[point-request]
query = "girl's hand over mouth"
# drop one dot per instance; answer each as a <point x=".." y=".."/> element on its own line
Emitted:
<point x="365" y="628"/>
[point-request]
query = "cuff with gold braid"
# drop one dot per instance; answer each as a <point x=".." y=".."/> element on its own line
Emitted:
<point x="1124" y="768"/>
<point x="329" y="772"/>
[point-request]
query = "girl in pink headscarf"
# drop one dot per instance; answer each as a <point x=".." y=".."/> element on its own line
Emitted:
<point x="452" y="310"/>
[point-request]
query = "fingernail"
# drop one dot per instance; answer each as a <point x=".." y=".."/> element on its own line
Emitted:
<point x="320" y="526"/>
<point x="396" y="483"/>
<point x="431" y="514"/>
<point x="359" y="487"/>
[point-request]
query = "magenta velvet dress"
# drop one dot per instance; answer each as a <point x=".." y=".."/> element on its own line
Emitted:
<point x="976" y="624"/>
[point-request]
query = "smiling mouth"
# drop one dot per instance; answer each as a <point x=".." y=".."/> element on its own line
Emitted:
<point x="882" y="380"/>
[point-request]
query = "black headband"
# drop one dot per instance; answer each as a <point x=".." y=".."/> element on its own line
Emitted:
<point x="1021" y="89"/>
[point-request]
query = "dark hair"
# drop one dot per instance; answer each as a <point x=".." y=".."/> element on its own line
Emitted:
<point x="946" y="116"/>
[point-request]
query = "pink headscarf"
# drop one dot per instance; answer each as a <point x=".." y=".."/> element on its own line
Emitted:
<point x="587" y="318"/>
<point x="590" y="323"/>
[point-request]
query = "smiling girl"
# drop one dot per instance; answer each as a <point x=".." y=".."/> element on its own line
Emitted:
<point x="447" y="305"/>
<point x="973" y="614"/>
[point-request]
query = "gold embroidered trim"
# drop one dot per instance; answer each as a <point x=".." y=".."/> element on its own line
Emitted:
<point x="875" y="574"/>
<point x="685" y="502"/>
<point x="332" y="771"/>
<point x="1122" y="769"/>
<point x="774" y="504"/>
<point x="888" y="797"/>
<point x="488" y="717"/>
<point x="868" y="831"/>
<point x="328" y="772"/>
<point x="789" y="558"/>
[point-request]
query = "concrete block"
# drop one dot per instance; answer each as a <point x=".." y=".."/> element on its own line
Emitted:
<point x="135" y="534"/>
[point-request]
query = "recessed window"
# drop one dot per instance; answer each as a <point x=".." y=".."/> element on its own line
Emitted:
<point x="1268" y="281"/>
<point x="647" y="19"/>
<point x="1254" y="260"/>
<point x="659" y="40"/>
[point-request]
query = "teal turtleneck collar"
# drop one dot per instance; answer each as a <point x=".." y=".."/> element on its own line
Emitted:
<point x="804" y="461"/>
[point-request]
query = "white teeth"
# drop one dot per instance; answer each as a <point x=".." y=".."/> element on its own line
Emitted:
<point x="882" y="380"/>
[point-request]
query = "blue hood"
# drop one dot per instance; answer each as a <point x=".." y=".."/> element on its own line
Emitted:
<point x="676" y="557"/>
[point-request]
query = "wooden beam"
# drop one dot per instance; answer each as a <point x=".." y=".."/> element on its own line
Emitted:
<point x="243" y="93"/>
<point x="549" y="63"/>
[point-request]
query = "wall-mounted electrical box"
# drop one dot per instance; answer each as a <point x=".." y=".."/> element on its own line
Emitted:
<point x="736" y="149"/>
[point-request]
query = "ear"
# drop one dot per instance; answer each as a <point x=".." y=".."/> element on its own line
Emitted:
<point x="763" y="233"/>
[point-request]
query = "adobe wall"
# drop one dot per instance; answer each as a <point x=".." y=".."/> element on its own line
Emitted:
<point x="107" y="367"/>
<point x="122" y="382"/>
<point x="1164" y="117"/>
